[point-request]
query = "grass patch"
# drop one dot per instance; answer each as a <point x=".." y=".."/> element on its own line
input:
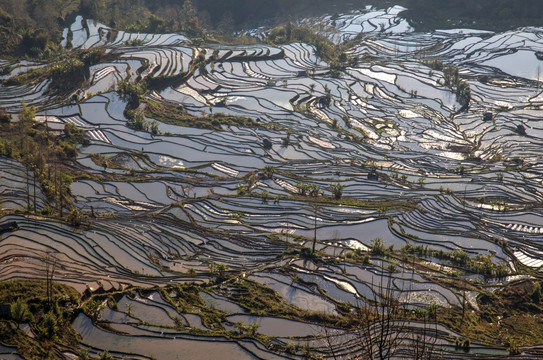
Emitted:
<point x="177" y="115"/>
<point x="50" y="322"/>
<point x="67" y="74"/>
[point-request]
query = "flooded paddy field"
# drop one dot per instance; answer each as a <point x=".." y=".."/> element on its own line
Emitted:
<point x="382" y="183"/>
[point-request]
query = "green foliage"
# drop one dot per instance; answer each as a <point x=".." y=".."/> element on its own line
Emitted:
<point x="486" y="14"/>
<point x="268" y="171"/>
<point x="5" y="118"/>
<point x="344" y="307"/>
<point x="106" y="356"/>
<point x="421" y="180"/>
<point x="134" y="42"/>
<point x="131" y="89"/>
<point x="190" y="23"/>
<point x="242" y="189"/>
<point x="218" y="270"/>
<point x="347" y="120"/>
<point x="84" y="355"/>
<point x="92" y="308"/>
<point x="435" y="64"/>
<point x="67" y="73"/>
<point x="307" y="253"/>
<point x="27" y="115"/>
<point x="513" y="346"/>
<point x="293" y="348"/>
<point x="92" y="56"/>
<point x="461" y="170"/>
<point x="74" y="135"/>
<point x="19" y="311"/>
<point x="337" y="190"/>
<point x="137" y="122"/>
<point x="451" y="79"/>
<point x="49" y="326"/>
<point x="132" y="92"/>
<point x="335" y="73"/>
<point x="95" y="9"/>
<point x="378" y="247"/>
<point x="463" y="93"/>
<point x="129" y="309"/>
<point x="308" y="189"/>
<point x="35" y="148"/>
<point x="75" y="217"/>
<point x="176" y="115"/>
<point x="69" y="150"/>
<point x="46" y="211"/>
<point x="480" y="264"/>
<point x="324" y="48"/>
<point x="112" y="303"/>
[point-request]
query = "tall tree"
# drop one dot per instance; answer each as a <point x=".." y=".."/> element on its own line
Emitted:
<point x="94" y="9"/>
<point x="19" y="311"/>
<point x="190" y="22"/>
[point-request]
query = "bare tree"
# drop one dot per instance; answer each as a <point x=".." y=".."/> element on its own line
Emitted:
<point x="382" y="323"/>
<point x="423" y="338"/>
<point x="385" y="330"/>
<point x="315" y="213"/>
<point x="27" y="192"/>
<point x="50" y="266"/>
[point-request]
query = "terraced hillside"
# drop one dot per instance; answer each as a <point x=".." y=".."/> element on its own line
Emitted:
<point x="253" y="202"/>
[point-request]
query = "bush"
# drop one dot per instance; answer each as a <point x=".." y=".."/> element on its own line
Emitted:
<point x="34" y="41"/>
<point x="106" y="356"/>
<point x="70" y="150"/>
<point x="337" y="190"/>
<point x="46" y="211"/>
<point x="49" y="326"/>
<point x="378" y="247"/>
<point x="75" y="217"/>
<point x="19" y="311"/>
<point x="134" y="42"/>
<point x="5" y="118"/>
<point x="74" y="135"/>
<point x="67" y="73"/>
<point x="131" y="92"/>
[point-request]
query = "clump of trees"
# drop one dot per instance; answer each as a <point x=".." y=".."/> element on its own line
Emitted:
<point x="138" y="122"/>
<point x="332" y="53"/>
<point x="177" y="115"/>
<point x="452" y="79"/>
<point x="218" y="270"/>
<point x="308" y="189"/>
<point x="144" y="16"/>
<point x="5" y="117"/>
<point x="268" y="171"/>
<point x="337" y="190"/>
<point x="131" y="92"/>
<point x="40" y="152"/>
<point x="29" y="29"/>
<point x="67" y="74"/>
<point x="486" y="14"/>
<point x="48" y="315"/>
<point x="479" y="264"/>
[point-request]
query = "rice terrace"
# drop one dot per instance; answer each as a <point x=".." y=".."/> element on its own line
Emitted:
<point x="338" y="180"/>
